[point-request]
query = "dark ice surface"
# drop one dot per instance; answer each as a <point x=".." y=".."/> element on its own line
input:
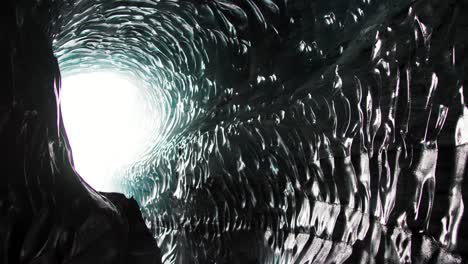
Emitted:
<point x="293" y="131"/>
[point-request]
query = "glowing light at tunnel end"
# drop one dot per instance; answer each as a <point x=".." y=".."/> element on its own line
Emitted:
<point x="106" y="123"/>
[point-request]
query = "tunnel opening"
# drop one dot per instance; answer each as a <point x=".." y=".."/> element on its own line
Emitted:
<point x="108" y="126"/>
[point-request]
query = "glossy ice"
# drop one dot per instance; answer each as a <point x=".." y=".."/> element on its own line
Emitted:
<point x="292" y="131"/>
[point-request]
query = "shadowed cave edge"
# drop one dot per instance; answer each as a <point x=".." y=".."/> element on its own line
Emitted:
<point x="293" y="132"/>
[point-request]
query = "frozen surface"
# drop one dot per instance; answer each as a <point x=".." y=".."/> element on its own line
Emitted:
<point x="293" y="131"/>
<point x="288" y="131"/>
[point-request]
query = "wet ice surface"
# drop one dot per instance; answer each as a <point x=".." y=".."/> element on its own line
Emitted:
<point x="291" y="131"/>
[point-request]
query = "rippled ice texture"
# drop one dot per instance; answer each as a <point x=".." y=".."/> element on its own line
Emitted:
<point x="291" y="131"/>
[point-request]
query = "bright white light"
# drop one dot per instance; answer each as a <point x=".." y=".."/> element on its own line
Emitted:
<point x="105" y="121"/>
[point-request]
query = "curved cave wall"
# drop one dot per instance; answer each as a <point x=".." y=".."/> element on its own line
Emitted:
<point x="288" y="132"/>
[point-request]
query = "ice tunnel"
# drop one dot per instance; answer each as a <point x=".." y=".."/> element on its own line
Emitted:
<point x="233" y="131"/>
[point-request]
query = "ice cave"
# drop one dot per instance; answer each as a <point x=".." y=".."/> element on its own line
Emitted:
<point x="233" y="131"/>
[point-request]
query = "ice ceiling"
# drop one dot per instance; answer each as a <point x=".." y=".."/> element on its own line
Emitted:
<point x="288" y="131"/>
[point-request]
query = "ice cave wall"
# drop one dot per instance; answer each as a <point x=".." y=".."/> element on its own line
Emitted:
<point x="294" y="131"/>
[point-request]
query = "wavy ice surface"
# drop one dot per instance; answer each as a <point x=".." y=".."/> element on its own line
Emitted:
<point x="292" y="131"/>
